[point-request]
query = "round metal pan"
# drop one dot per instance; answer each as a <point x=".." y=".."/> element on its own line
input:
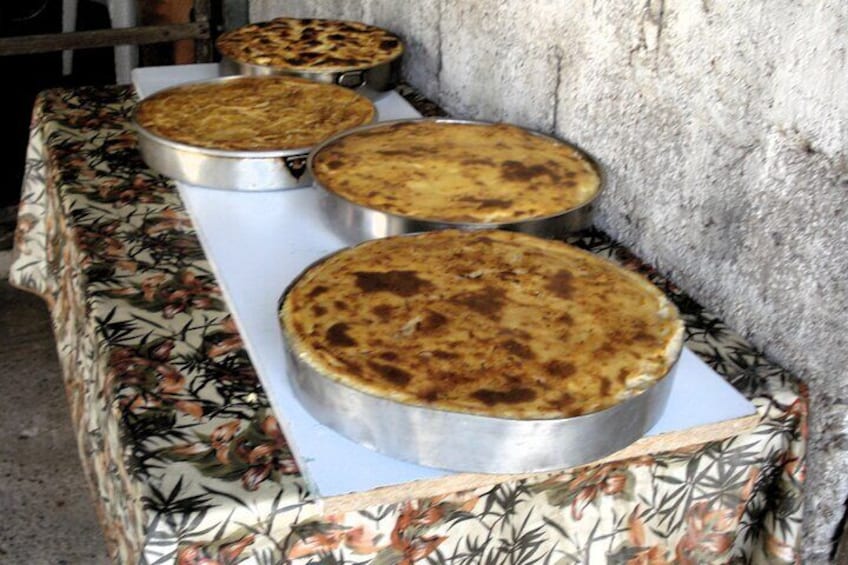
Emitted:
<point x="379" y="78"/>
<point x="250" y="171"/>
<point x="470" y="442"/>
<point x="356" y="223"/>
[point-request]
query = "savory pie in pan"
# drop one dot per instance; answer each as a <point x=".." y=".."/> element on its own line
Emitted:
<point x="490" y="323"/>
<point x="456" y="171"/>
<point x="310" y="44"/>
<point x="268" y="113"/>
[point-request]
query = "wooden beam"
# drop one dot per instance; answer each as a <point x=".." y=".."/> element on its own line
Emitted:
<point x="45" y="43"/>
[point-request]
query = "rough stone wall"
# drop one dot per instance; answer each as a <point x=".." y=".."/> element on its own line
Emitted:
<point x="723" y="127"/>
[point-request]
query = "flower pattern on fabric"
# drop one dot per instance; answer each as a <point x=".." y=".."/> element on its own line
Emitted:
<point x="189" y="465"/>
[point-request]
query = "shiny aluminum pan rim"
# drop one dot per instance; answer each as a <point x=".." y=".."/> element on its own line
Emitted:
<point x="220" y="168"/>
<point x="379" y="77"/>
<point x="357" y="222"/>
<point x="469" y="442"/>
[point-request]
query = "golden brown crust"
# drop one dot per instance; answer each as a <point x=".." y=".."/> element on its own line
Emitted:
<point x="457" y="172"/>
<point x="310" y="45"/>
<point x="493" y="323"/>
<point x="253" y="113"/>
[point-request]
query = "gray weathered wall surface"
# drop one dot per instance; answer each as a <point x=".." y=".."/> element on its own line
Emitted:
<point x="724" y="130"/>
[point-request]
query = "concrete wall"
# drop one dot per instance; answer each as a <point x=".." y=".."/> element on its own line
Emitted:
<point x="724" y="128"/>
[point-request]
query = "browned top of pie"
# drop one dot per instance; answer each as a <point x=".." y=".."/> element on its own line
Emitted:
<point x="310" y="44"/>
<point x="483" y="322"/>
<point x="253" y="113"/>
<point x="457" y="172"/>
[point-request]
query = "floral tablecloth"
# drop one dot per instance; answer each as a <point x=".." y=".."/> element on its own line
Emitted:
<point x="184" y="455"/>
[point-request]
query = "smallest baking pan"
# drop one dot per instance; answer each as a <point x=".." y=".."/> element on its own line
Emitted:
<point x="418" y="175"/>
<point x="346" y="53"/>
<point x="244" y="133"/>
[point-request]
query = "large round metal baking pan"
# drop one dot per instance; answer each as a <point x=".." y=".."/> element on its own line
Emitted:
<point x="470" y="442"/>
<point x="250" y="171"/>
<point x="356" y="223"/>
<point x="381" y="77"/>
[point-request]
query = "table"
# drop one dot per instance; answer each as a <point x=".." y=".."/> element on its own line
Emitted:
<point x="187" y="462"/>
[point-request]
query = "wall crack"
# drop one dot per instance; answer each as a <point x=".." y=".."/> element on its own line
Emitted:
<point x="557" y="85"/>
<point x="439" y="51"/>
